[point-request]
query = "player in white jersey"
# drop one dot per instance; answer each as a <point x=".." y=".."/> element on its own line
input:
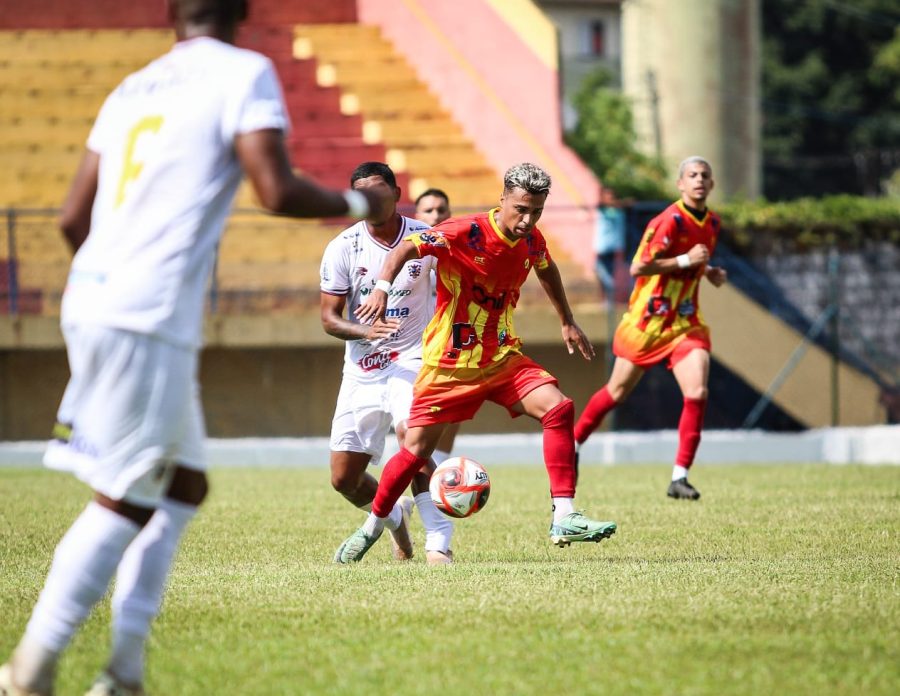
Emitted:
<point x="144" y="214"/>
<point x="381" y="360"/>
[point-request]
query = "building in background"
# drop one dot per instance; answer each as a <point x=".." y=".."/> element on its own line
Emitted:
<point x="691" y="68"/>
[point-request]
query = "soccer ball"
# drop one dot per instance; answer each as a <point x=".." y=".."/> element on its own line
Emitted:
<point x="460" y="487"/>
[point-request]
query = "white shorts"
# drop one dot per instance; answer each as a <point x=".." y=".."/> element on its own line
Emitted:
<point x="133" y="406"/>
<point x="365" y="412"/>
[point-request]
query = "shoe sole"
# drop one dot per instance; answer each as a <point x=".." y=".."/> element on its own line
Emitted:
<point x="597" y="536"/>
<point x="674" y="496"/>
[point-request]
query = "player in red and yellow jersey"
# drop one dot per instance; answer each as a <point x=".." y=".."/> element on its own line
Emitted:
<point x="663" y="321"/>
<point x="472" y="354"/>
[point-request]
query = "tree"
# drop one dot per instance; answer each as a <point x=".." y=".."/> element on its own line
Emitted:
<point x="605" y="139"/>
<point x="830" y="96"/>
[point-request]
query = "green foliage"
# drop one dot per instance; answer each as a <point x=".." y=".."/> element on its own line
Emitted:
<point x="605" y="139"/>
<point x="830" y="96"/>
<point x="781" y="580"/>
<point x="808" y="222"/>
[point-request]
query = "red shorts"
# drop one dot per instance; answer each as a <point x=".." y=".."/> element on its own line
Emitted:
<point x="645" y="351"/>
<point x="451" y="395"/>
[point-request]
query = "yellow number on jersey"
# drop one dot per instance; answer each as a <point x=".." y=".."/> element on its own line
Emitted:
<point x="131" y="169"/>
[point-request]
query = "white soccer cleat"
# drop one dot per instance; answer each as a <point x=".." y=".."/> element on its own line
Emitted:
<point x="107" y="685"/>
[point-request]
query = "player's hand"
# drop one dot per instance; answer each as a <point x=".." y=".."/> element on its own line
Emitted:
<point x="380" y="201"/>
<point x="699" y="254"/>
<point x="574" y="337"/>
<point x="716" y="275"/>
<point x="382" y="328"/>
<point x="373" y="308"/>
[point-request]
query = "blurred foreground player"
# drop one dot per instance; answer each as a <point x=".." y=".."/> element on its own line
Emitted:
<point x="145" y="214"/>
<point x="663" y="321"/>
<point x="472" y="354"/>
<point x="381" y="361"/>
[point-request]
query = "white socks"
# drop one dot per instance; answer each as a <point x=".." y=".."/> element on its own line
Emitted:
<point x="83" y="565"/>
<point x="678" y="472"/>
<point x="562" y="507"/>
<point x="373" y="526"/>
<point x="438" y="527"/>
<point x="140" y="583"/>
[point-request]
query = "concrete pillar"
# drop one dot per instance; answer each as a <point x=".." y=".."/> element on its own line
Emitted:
<point x="692" y="70"/>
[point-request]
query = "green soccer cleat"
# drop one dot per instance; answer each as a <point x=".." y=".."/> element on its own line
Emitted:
<point x="576" y="527"/>
<point x="355" y="547"/>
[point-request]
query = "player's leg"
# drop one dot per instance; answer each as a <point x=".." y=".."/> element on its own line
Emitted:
<point x="144" y="570"/>
<point x="540" y="398"/>
<point x="691" y="371"/>
<point x="117" y="444"/>
<point x="445" y="445"/>
<point x="397" y="475"/>
<point x="438" y="527"/>
<point x="361" y="422"/>
<point x="624" y="378"/>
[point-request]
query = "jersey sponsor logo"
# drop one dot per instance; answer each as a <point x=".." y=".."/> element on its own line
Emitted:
<point x="464" y="336"/>
<point x="659" y="306"/>
<point x="377" y="361"/>
<point x="393" y="292"/>
<point x="484" y="299"/>
<point x="396" y="312"/>
<point x="361" y="271"/>
<point x="527" y="263"/>
<point x="687" y="308"/>
<point x="436" y="240"/>
<point x="475" y="238"/>
<point x="414" y="270"/>
<point x="479" y="260"/>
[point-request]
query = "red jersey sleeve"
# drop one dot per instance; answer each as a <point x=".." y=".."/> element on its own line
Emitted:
<point x="657" y="238"/>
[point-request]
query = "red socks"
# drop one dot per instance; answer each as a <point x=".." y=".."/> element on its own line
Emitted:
<point x="559" y="449"/>
<point x="689" y="431"/>
<point x="397" y="475"/>
<point x="600" y="404"/>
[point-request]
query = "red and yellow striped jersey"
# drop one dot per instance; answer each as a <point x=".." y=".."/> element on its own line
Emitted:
<point x="668" y="304"/>
<point x="479" y="274"/>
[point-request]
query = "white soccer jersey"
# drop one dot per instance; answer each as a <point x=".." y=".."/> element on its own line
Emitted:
<point x="350" y="266"/>
<point x="168" y="176"/>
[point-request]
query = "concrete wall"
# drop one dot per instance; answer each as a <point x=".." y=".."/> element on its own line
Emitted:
<point x="254" y="391"/>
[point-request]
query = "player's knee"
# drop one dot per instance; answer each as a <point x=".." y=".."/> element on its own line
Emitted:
<point x="188" y="486"/>
<point x="560" y="416"/>
<point x="345" y="482"/>
<point x="618" y="392"/>
<point x="697" y="393"/>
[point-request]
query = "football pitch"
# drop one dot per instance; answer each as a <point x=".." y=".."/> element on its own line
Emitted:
<point x="781" y="580"/>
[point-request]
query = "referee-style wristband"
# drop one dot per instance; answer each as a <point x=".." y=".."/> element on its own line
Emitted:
<point x="357" y="204"/>
<point x="383" y="285"/>
<point x="684" y="261"/>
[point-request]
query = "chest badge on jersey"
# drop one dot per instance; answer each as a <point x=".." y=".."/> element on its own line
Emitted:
<point x="414" y="270"/>
<point x="658" y="306"/>
<point x="687" y="308"/>
<point x="479" y="260"/>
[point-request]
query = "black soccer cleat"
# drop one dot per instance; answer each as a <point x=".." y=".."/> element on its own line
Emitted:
<point x="682" y="490"/>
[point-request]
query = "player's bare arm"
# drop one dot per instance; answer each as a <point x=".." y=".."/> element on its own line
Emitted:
<point x="75" y="218"/>
<point x="572" y="334"/>
<point x="265" y="161"/>
<point x="375" y="305"/>
<point x="696" y="256"/>
<point x="333" y="321"/>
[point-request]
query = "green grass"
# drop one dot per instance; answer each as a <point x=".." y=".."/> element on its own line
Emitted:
<point x="781" y="580"/>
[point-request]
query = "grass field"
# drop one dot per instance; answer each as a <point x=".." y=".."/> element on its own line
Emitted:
<point x="781" y="580"/>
